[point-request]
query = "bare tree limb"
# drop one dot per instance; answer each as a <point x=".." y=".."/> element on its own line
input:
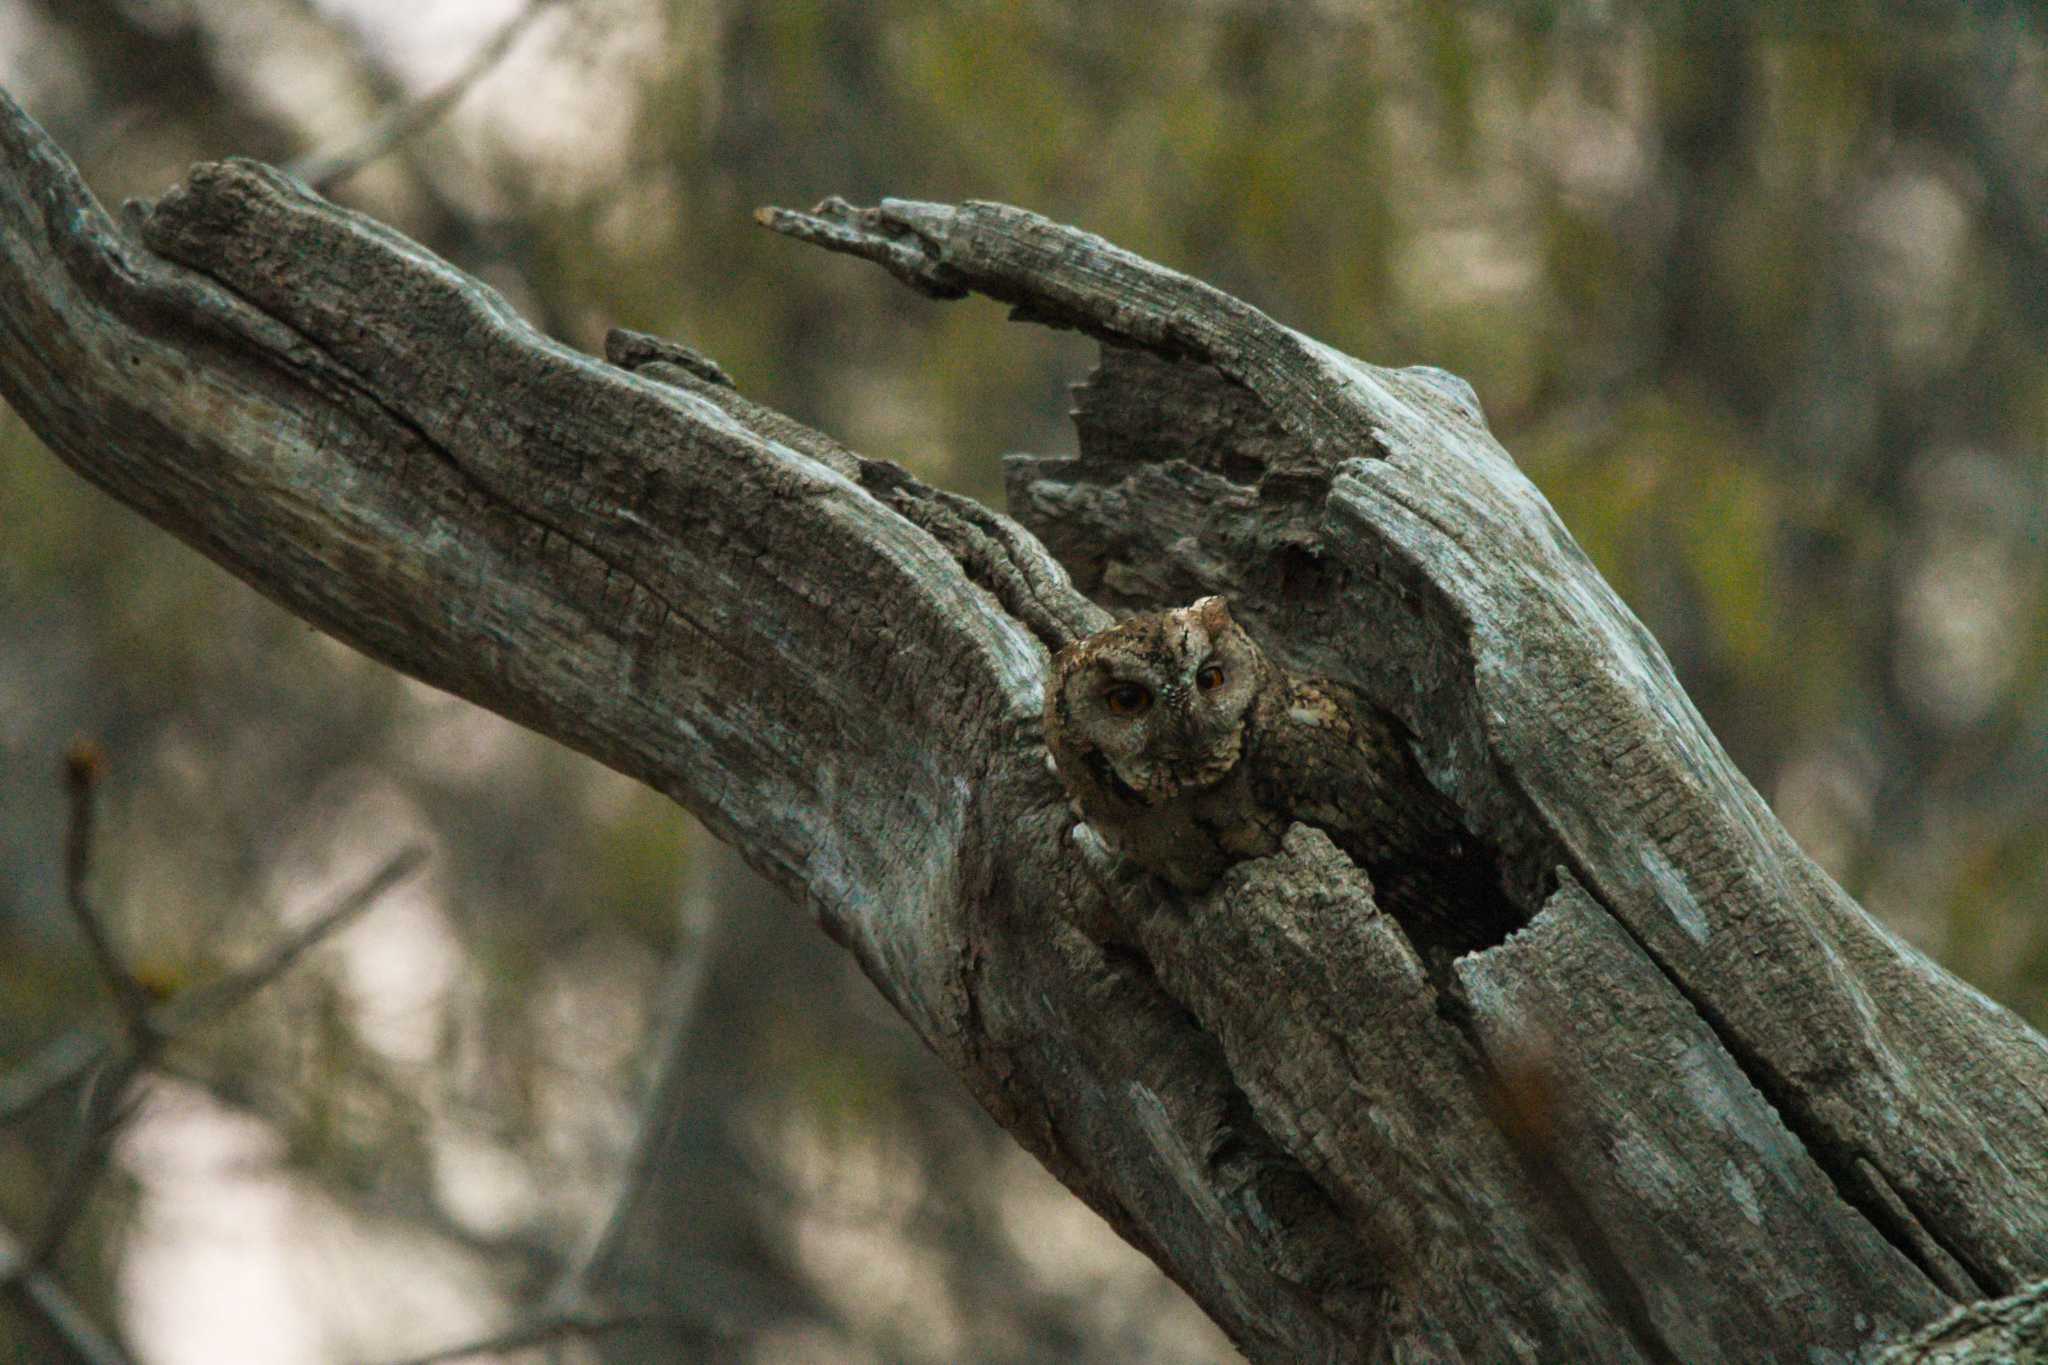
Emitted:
<point x="839" y="670"/>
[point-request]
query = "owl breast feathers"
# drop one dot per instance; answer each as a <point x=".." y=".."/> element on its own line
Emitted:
<point x="1186" y="749"/>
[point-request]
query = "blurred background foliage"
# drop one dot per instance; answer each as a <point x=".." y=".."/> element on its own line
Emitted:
<point x="1757" y="295"/>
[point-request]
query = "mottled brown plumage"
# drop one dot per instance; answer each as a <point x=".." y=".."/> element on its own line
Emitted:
<point x="1187" y="749"/>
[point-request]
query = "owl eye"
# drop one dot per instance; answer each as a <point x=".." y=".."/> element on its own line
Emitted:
<point x="1210" y="678"/>
<point x="1126" y="699"/>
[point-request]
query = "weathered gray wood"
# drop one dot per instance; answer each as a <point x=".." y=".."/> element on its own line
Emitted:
<point x="838" y="669"/>
<point x="1334" y="1034"/>
<point x="1366" y="519"/>
<point x="2008" y="1331"/>
<point x="1545" y="705"/>
<point x="1691" y="1159"/>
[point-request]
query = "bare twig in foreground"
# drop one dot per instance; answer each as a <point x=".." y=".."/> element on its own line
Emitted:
<point x="59" y="1062"/>
<point x="108" y="1106"/>
<point x="674" y="1027"/>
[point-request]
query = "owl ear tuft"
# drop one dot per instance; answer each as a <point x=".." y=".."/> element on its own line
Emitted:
<point x="1213" y="612"/>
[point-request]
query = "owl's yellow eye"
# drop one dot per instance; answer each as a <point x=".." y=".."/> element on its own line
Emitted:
<point x="1210" y="678"/>
<point x="1126" y="699"/>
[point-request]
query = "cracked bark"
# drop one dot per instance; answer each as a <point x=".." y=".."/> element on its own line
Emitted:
<point x="1701" y="1106"/>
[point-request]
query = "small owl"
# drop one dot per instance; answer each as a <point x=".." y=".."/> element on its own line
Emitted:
<point x="1186" y="749"/>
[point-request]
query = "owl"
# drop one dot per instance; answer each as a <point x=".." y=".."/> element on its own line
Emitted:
<point x="1186" y="749"/>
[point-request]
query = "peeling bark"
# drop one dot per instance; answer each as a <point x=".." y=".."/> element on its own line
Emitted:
<point x="1701" y="1106"/>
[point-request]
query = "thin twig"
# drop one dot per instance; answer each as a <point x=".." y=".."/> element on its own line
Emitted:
<point x="40" y="1294"/>
<point x="108" y="1107"/>
<point x="73" y="1054"/>
<point x="209" y="1002"/>
<point x="573" y="1308"/>
<point x="59" y="1062"/>
<point x="84" y="765"/>
<point x="25" y="1276"/>
<point x="24" y="1273"/>
<point x="680" y="996"/>
<point x="324" y="170"/>
<point x="109" y="1104"/>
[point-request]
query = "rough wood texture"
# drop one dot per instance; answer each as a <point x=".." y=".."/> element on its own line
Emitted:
<point x="1701" y="1105"/>
<point x="2011" y="1329"/>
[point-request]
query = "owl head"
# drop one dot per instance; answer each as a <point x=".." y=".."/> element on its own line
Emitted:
<point x="1156" y="705"/>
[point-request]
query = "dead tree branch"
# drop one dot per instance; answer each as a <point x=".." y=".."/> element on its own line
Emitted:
<point x="1792" y="1130"/>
